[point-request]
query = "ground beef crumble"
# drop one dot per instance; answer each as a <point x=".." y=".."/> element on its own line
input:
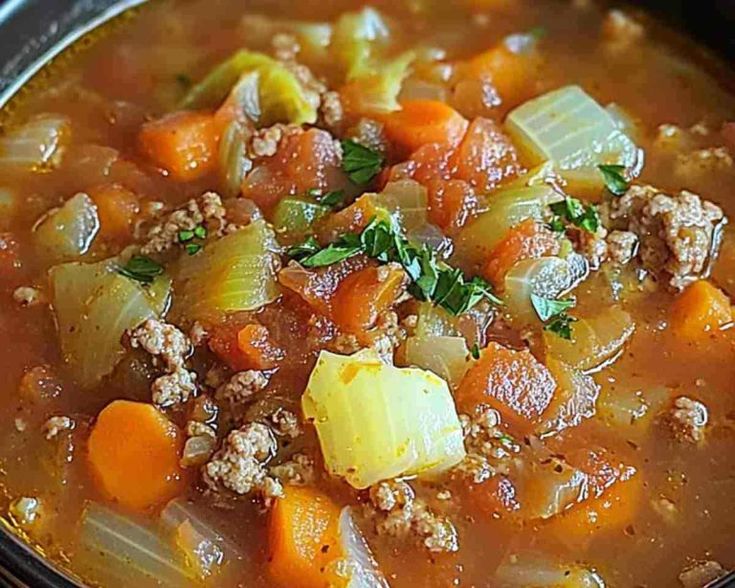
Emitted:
<point x="57" y="425"/>
<point x="401" y="514"/>
<point x="488" y="448"/>
<point x="688" y="419"/>
<point x="679" y="235"/>
<point x="297" y="471"/>
<point x="240" y="463"/>
<point x="700" y="574"/>
<point x="28" y="296"/>
<point x="622" y="246"/>
<point x="242" y="386"/>
<point x="285" y="423"/>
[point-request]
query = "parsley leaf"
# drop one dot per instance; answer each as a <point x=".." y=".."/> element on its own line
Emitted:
<point x="475" y="351"/>
<point x="561" y="325"/>
<point x="360" y="163"/>
<point x="546" y="308"/>
<point x="347" y="246"/>
<point x="193" y="248"/>
<point x="305" y="249"/>
<point x="200" y="232"/>
<point x="185" y="235"/>
<point x="333" y="199"/>
<point x="556" y="224"/>
<point x="141" y="269"/>
<point x="614" y="178"/>
<point x="573" y="211"/>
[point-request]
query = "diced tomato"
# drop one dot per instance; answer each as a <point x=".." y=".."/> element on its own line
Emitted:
<point x="451" y="204"/>
<point x="304" y="161"/>
<point x="244" y="345"/>
<point x="513" y="382"/>
<point x="529" y="240"/>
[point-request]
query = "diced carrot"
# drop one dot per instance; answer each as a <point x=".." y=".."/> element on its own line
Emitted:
<point x="528" y="240"/>
<point x="513" y="74"/>
<point x="117" y="208"/>
<point x="513" y="382"/>
<point x="495" y="499"/>
<point x="134" y="453"/>
<point x="420" y="122"/>
<point x="184" y="144"/>
<point x="303" y="540"/>
<point x="255" y="343"/>
<point x="700" y="309"/>
<point x="363" y="295"/>
<point x="486" y="157"/>
<point x="452" y="203"/>
<point x="352" y="219"/>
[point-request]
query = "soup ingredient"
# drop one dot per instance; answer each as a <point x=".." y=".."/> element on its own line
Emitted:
<point x="67" y="233"/>
<point x="134" y="452"/>
<point x="445" y="356"/>
<point x="688" y="419"/>
<point x="569" y="128"/>
<point x="94" y="306"/>
<point x="120" y="551"/>
<point x="244" y="345"/>
<point x="575" y="398"/>
<point x="512" y="382"/>
<point x="234" y="273"/>
<point x="117" y="208"/>
<point x="614" y="176"/>
<point x="520" y="571"/>
<point x="295" y="216"/>
<point x="183" y="144"/>
<point x="360" y="163"/>
<point x="679" y="235"/>
<point x="594" y="340"/>
<point x="419" y="122"/>
<point x="574" y="212"/>
<point x="377" y="422"/>
<point x="700" y="310"/>
<point x="141" y="268"/>
<point x="38" y="145"/>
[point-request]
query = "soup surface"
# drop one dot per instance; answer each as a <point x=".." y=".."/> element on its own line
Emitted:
<point x="417" y="294"/>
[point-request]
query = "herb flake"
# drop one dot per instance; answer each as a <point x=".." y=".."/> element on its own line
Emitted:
<point x="554" y="314"/>
<point x="360" y="163"/>
<point x="475" y="351"/>
<point x="333" y="199"/>
<point x="141" y="268"/>
<point x="561" y="326"/>
<point x="575" y="212"/>
<point x="614" y="176"/>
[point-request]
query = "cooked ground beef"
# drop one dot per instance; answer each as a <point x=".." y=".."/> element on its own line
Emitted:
<point x="173" y="388"/>
<point x="285" y="423"/>
<point x="56" y="425"/>
<point x="401" y="514"/>
<point x="486" y="444"/>
<point x="688" y="420"/>
<point x="297" y="471"/>
<point x="331" y="111"/>
<point x="265" y="142"/>
<point x="701" y="574"/>
<point x="702" y="161"/>
<point x="621" y="246"/>
<point x="242" y="386"/>
<point x="28" y="296"/>
<point x="679" y="235"/>
<point x="162" y="340"/>
<point x="207" y="210"/>
<point x="240" y="463"/>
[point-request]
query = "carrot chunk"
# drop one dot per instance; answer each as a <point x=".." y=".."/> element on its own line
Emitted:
<point x="303" y="540"/>
<point x="420" y="122"/>
<point x="513" y="382"/>
<point x="701" y="309"/>
<point x="134" y="453"/>
<point x="528" y="240"/>
<point x="117" y="208"/>
<point x="184" y="144"/>
<point x="364" y="295"/>
<point x="255" y="343"/>
<point x="352" y="219"/>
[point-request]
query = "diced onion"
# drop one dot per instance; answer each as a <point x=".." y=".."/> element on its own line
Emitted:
<point x="361" y="564"/>
<point x="526" y="570"/>
<point x="37" y="145"/>
<point x="377" y="422"/>
<point x="445" y="356"/>
<point x="66" y="233"/>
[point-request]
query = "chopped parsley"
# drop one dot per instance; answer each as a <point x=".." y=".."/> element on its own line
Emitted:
<point x="333" y="199"/>
<point x="554" y="314"/>
<point x="141" y="269"/>
<point x="475" y="351"/>
<point x="614" y="176"/>
<point x="575" y="212"/>
<point x="189" y="239"/>
<point x="360" y="163"/>
<point x="430" y="279"/>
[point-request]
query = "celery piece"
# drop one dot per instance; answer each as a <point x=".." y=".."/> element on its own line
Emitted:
<point x="282" y="97"/>
<point x="507" y="208"/>
<point x="377" y="422"/>
<point x="94" y="306"/>
<point x="295" y="216"/>
<point x="237" y="272"/>
<point x="67" y="232"/>
<point x="569" y="128"/>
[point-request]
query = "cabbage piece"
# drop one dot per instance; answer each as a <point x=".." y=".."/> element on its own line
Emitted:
<point x="547" y="277"/>
<point x="363" y="568"/>
<point x="313" y="37"/>
<point x="377" y="422"/>
<point x="378" y="90"/>
<point x="595" y="341"/>
<point x="94" y="306"/>
<point x="282" y="97"/>
<point x="526" y="570"/>
<point x="507" y="208"/>
<point x="358" y="37"/>
<point x="236" y="272"/>
<point x="569" y="128"/>
<point x="66" y="233"/>
<point x="38" y="145"/>
<point x="115" y="550"/>
<point x="445" y="356"/>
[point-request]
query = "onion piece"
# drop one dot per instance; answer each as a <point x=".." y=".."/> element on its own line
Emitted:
<point x="574" y="401"/>
<point x="118" y="551"/>
<point x="445" y="356"/>
<point x="66" y="233"/>
<point x="38" y="145"/>
<point x="361" y="564"/>
<point x="525" y="570"/>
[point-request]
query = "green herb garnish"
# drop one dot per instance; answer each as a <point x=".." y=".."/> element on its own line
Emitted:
<point x="554" y="314"/>
<point x="186" y="237"/>
<point x="200" y="232"/>
<point x="360" y="163"/>
<point x="475" y="351"/>
<point x="141" y="269"/>
<point x="333" y="199"/>
<point x="573" y="211"/>
<point x="430" y="279"/>
<point x="193" y="248"/>
<point x="614" y="176"/>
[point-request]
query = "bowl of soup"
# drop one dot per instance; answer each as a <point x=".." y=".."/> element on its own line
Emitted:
<point x="334" y="294"/>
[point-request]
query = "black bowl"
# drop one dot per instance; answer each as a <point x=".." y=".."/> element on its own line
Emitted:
<point x="34" y="31"/>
